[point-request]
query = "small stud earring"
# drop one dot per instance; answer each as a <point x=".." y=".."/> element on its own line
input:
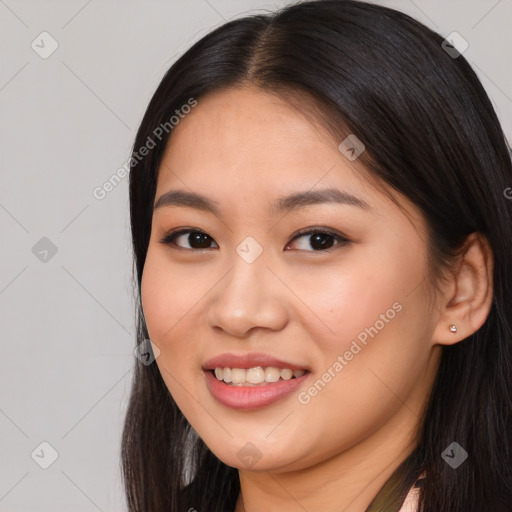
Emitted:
<point x="453" y="328"/>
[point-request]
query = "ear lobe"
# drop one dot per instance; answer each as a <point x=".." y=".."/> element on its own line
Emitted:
<point x="469" y="301"/>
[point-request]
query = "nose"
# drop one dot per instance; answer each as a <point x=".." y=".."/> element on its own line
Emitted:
<point x="249" y="298"/>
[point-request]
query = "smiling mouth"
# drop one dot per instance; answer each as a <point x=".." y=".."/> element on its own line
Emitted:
<point x="257" y="376"/>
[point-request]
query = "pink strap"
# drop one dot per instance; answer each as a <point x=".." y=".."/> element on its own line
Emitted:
<point x="411" y="501"/>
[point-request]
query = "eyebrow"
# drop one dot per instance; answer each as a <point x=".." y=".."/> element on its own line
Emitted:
<point x="283" y="204"/>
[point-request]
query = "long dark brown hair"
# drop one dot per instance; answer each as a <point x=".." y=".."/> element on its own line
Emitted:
<point x="431" y="133"/>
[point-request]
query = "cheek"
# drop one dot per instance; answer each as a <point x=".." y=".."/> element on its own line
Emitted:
<point x="167" y="296"/>
<point x="367" y="289"/>
<point x="155" y="298"/>
<point x="370" y="321"/>
<point x="168" y="302"/>
<point x="371" y="345"/>
<point x="343" y="303"/>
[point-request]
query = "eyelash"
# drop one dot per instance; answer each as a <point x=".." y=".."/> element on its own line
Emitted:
<point x="170" y="237"/>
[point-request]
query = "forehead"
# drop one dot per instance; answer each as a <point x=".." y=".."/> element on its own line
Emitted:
<point x="249" y="145"/>
<point x="241" y="135"/>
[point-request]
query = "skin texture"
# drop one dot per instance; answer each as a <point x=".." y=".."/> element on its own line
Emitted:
<point x="244" y="148"/>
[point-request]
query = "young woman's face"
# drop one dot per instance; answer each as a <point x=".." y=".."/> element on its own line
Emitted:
<point x="343" y="299"/>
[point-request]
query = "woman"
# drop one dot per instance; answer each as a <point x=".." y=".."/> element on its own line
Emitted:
<point x="322" y="247"/>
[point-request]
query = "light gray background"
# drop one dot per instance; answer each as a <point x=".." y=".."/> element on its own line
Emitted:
<point x="67" y="125"/>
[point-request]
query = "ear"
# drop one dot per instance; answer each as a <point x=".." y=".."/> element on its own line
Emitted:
<point x="468" y="295"/>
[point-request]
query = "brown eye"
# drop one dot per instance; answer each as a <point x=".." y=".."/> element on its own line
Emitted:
<point x="195" y="239"/>
<point x="317" y="241"/>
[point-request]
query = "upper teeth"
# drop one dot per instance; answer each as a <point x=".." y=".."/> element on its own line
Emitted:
<point x="255" y="375"/>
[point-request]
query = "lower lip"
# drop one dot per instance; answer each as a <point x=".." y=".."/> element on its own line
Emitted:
<point x="251" y="397"/>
